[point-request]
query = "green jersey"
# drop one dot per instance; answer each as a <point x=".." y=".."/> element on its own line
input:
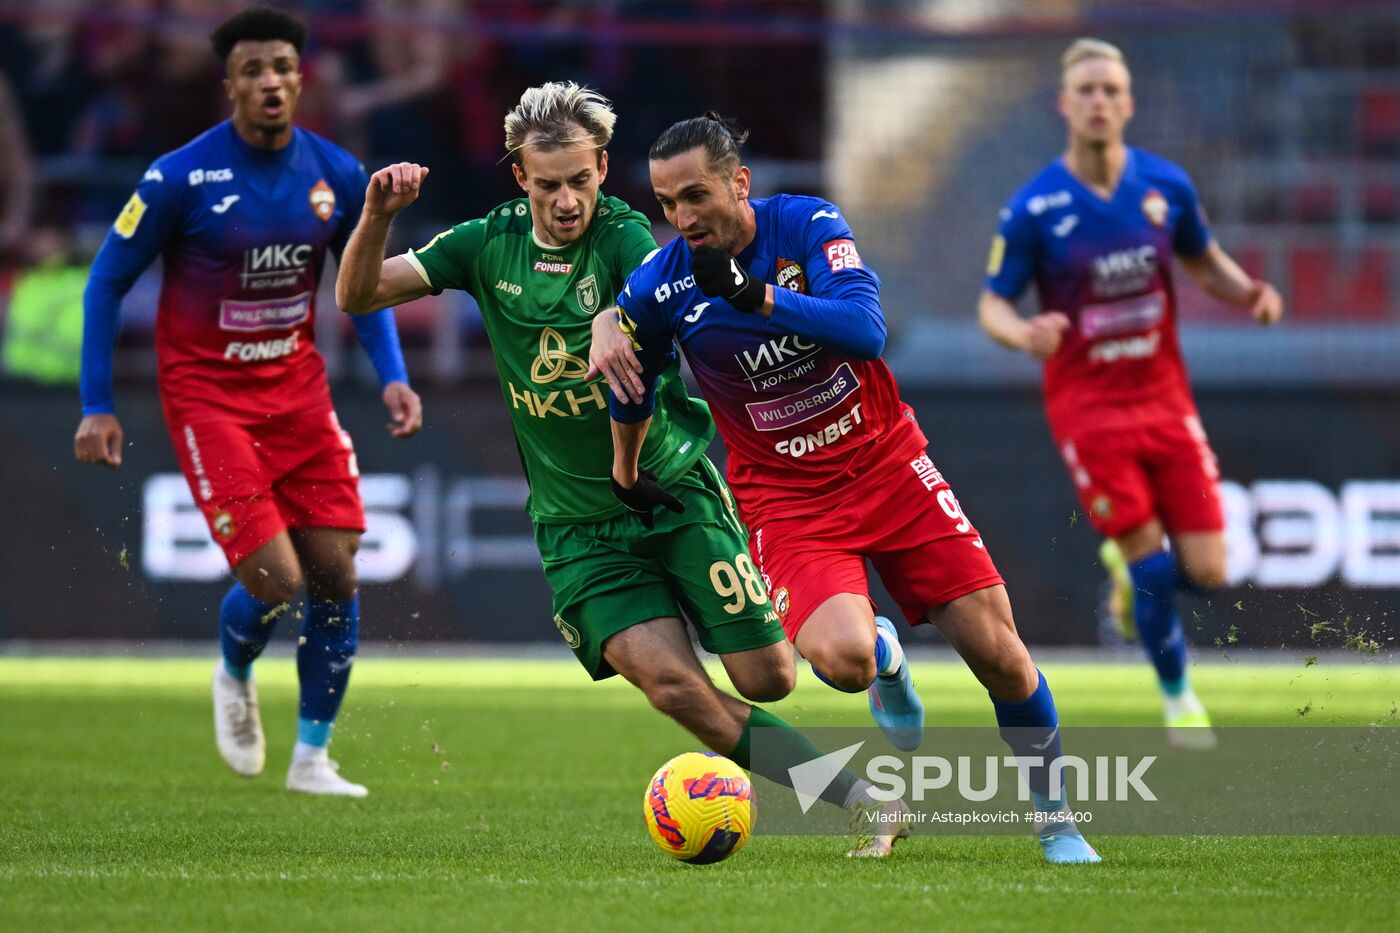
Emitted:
<point x="538" y="304"/>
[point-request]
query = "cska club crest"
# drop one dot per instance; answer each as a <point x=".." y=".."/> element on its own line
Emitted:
<point x="1154" y="207"/>
<point x="323" y="200"/>
<point x="791" y="276"/>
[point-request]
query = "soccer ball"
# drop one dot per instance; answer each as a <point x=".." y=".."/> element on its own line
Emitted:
<point x="699" y="808"/>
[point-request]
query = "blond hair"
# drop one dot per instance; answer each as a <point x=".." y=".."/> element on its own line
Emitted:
<point x="558" y="114"/>
<point x="1083" y="50"/>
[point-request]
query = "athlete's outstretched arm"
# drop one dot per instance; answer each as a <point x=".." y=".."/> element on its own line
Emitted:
<point x="627" y="450"/>
<point x="1039" y="336"/>
<point x="367" y="281"/>
<point x="611" y="355"/>
<point x="1223" y="278"/>
<point x="634" y="487"/>
<point x="844" y="315"/>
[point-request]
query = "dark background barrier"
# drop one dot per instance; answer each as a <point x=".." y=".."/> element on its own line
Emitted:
<point x="1313" y="488"/>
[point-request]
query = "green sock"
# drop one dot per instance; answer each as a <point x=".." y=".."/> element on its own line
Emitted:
<point x="787" y="748"/>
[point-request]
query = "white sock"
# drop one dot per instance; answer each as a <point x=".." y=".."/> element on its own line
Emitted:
<point x="859" y="791"/>
<point x="301" y="751"/>
<point x="896" y="658"/>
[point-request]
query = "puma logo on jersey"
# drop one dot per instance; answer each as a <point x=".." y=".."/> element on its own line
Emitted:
<point x="832" y="214"/>
<point x="1063" y="228"/>
<point x="699" y="310"/>
<point x="225" y="204"/>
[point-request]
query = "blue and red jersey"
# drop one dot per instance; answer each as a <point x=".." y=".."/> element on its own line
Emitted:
<point x="243" y="234"/>
<point x="802" y="399"/>
<point x="1106" y="264"/>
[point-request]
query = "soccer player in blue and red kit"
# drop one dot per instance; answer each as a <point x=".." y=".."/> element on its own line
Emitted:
<point x="781" y="323"/>
<point x="1095" y="231"/>
<point x="242" y="217"/>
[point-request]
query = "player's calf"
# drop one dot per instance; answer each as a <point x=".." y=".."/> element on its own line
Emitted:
<point x="980" y="628"/>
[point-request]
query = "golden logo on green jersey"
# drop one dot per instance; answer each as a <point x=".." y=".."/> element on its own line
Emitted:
<point x="587" y="294"/>
<point x="555" y="360"/>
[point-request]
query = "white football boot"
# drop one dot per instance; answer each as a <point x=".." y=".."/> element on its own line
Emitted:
<point x="237" y="726"/>
<point x="877" y="827"/>
<point x="316" y="774"/>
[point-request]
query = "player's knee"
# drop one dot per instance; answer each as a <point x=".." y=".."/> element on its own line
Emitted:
<point x="333" y="577"/>
<point x="337" y="587"/>
<point x="846" y="671"/>
<point x="1006" y="669"/>
<point x="273" y="587"/>
<point x="1209" y="575"/>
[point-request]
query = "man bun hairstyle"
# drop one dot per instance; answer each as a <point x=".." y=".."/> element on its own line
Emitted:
<point x="719" y="136"/>
<point x="559" y="114"/>
<point x="258" y="24"/>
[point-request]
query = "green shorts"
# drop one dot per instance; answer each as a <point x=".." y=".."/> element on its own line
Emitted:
<point x="611" y="575"/>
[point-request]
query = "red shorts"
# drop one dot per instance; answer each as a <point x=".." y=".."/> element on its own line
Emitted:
<point x="253" y="480"/>
<point x="903" y="517"/>
<point x="1128" y="477"/>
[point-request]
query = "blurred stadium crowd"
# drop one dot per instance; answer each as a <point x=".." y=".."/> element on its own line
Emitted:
<point x="920" y="117"/>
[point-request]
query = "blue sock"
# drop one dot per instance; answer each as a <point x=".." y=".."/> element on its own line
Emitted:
<point x="882" y="653"/>
<point x="1155" y="579"/>
<point x="330" y="633"/>
<point x="245" y="627"/>
<point x="1032" y="729"/>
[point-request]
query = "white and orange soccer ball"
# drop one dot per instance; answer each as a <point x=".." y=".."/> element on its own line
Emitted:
<point x="699" y="808"/>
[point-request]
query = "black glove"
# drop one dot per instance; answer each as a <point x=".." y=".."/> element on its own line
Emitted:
<point x="719" y="275"/>
<point x="646" y="495"/>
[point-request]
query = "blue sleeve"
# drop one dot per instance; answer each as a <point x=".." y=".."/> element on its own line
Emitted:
<point x="843" y="312"/>
<point x="378" y="333"/>
<point x="1192" y="234"/>
<point x="139" y="234"/>
<point x="354" y="181"/>
<point x="653" y="344"/>
<point x="1015" y="253"/>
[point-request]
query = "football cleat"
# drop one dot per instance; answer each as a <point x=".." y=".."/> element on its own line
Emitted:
<point x="895" y="704"/>
<point x="316" y="774"/>
<point x="237" y="726"/>
<point x="1188" y="723"/>
<point x="1119" y="602"/>
<point x="877" y="827"/>
<point x="1059" y="836"/>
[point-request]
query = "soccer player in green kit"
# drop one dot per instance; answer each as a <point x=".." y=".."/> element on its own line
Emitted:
<point x="623" y="575"/>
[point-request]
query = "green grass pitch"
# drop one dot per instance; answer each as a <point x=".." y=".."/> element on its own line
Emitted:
<point x="507" y="795"/>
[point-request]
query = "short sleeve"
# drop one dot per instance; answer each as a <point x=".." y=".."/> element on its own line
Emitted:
<point x="1015" y="251"/>
<point x="448" y="259"/>
<point x="627" y="240"/>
